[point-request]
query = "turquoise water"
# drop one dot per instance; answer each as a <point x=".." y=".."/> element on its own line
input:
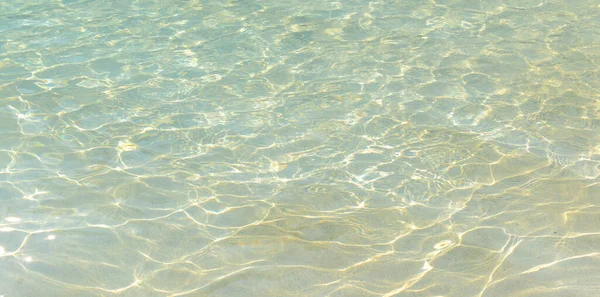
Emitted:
<point x="300" y="148"/>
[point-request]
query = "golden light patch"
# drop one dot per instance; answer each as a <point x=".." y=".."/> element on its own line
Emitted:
<point x="443" y="244"/>
<point x="127" y="146"/>
<point x="277" y="166"/>
<point x="333" y="31"/>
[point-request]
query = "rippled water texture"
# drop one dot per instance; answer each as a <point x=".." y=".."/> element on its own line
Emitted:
<point x="300" y="148"/>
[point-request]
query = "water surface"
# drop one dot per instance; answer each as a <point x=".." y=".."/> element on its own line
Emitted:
<point x="300" y="148"/>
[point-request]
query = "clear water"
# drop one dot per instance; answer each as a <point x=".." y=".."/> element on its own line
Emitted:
<point x="300" y="148"/>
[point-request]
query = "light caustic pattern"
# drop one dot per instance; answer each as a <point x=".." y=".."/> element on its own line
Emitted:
<point x="300" y="148"/>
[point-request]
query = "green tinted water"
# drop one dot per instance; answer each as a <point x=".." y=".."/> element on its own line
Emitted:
<point x="300" y="148"/>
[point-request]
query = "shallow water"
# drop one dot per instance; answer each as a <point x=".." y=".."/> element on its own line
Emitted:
<point x="300" y="148"/>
